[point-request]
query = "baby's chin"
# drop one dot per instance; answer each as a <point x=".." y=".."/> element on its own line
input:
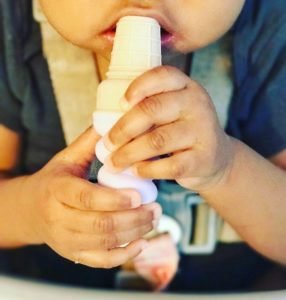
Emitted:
<point x="192" y="42"/>
<point x="187" y="46"/>
<point x="96" y="45"/>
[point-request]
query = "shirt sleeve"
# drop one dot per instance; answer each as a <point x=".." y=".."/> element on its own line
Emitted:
<point x="10" y="106"/>
<point x="265" y="128"/>
<point x="257" y="114"/>
<point x="10" y="109"/>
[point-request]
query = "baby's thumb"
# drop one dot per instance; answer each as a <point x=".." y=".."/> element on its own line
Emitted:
<point x="82" y="150"/>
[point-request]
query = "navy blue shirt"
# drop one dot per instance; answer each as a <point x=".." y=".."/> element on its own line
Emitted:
<point x="257" y="113"/>
<point x="27" y="102"/>
<point x="256" y="116"/>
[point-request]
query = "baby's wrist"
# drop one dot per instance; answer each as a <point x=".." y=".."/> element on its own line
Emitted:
<point x="224" y="175"/>
<point x="27" y="200"/>
<point x="221" y="177"/>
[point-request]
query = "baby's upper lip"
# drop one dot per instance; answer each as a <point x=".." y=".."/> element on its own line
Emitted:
<point x="164" y="23"/>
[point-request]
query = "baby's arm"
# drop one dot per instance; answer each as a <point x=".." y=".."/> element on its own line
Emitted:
<point x="79" y="220"/>
<point x="173" y="116"/>
<point x="251" y="197"/>
<point x="9" y="156"/>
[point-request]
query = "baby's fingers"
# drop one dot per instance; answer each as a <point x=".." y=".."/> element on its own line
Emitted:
<point x="83" y="195"/>
<point x="162" y="140"/>
<point x="111" y="258"/>
<point x="180" y="165"/>
<point x="188" y="168"/>
<point x="108" y="223"/>
<point x="153" y="111"/>
<point x="156" y="81"/>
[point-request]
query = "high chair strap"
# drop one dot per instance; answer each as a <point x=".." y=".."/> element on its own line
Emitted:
<point x="74" y="78"/>
<point x="201" y="227"/>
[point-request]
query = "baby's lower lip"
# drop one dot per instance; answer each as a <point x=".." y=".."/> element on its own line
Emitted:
<point x="109" y="35"/>
<point x="166" y="38"/>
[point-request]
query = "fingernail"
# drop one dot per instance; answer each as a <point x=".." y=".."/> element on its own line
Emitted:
<point x="157" y="212"/>
<point x="108" y="164"/>
<point x="135" y="199"/>
<point x="124" y="104"/>
<point x="135" y="203"/>
<point x="134" y="171"/>
<point x="131" y="199"/>
<point x="162" y="274"/>
<point x="155" y="223"/>
<point x="108" y="144"/>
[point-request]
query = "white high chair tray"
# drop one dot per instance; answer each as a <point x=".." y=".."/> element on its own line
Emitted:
<point x="16" y="289"/>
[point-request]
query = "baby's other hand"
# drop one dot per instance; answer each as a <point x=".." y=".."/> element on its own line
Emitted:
<point x="81" y="221"/>
<point x="158" y="263"/>
<point x="171" y="118"/>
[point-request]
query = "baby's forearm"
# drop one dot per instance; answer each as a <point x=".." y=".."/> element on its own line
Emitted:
<point x="15" y="214"/>
<point x="252" y="198"/>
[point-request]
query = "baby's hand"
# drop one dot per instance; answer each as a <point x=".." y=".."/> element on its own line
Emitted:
<point x="170" y="115"/>
<point x="158" y="263"/>
<point x="81" y="221"/>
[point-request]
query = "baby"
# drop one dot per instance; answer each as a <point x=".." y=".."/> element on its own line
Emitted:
<point x="170" y="116"/>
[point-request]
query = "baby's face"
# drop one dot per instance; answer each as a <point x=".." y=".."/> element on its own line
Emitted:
<point x="186" y="24"/>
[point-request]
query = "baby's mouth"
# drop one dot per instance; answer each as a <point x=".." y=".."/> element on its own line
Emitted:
<point x="166" y="37"/>
<point x="109" y="34"/>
